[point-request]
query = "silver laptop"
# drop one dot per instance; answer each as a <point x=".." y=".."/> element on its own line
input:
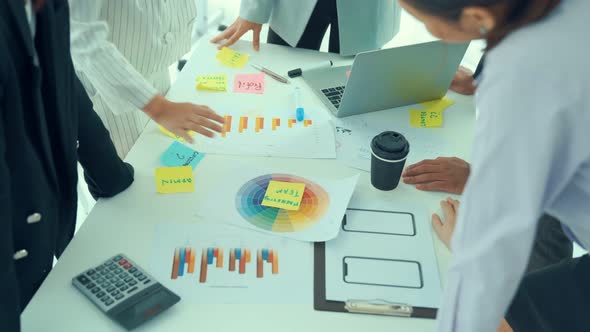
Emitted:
<point x="388" y="78"/>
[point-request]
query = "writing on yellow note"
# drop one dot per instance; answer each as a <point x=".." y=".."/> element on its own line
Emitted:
<point x="426" y="118"/>
<point x="170" y="180"/>
<point x="284" y="195"/>
<point x="173" y="135"/>
<point x="212" y="82"/>
<point x="437" y="105"/>
<point x="231" y="58"/>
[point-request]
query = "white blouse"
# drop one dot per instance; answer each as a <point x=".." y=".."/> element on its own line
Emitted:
<point x="531" y="155"/>
<point x="122" y="49"/>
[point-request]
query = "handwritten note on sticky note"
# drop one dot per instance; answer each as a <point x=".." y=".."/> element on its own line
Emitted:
<point x="249" y="83"/>
<point x="284" y="195"/>
<point x="173" y="135"/>
<point x="231" y="58"/>
<point x="170" y="180"/>
<point x="212" y="82"/>
<point x="426" y="118"/>
<point x="179" y="154"/>
<point x="437" y="105"/>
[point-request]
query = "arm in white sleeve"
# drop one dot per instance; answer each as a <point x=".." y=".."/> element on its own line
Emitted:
<point x="109" y="72"/>
<point x="257" y="11"/>
<point x="518" y="167"/>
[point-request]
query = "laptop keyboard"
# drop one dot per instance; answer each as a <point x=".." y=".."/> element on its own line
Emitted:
<point x="334" y="95"/>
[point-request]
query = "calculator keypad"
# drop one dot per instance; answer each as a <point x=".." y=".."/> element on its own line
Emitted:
<point x="112" y="282"/>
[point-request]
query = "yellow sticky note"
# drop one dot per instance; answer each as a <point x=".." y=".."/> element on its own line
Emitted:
<point x="170" y="180"/>
<point x="426" y="118"/>
<point x="284" y="195"/>
<point x="231" y="58"/>
<point x="437" y="105"/>
<point x="212" y="82"/>
<point x="173" y="135"/>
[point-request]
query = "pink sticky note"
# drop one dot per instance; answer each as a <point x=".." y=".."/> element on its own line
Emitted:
<point x="249" y="83"/>
<point x="348" y="73"/>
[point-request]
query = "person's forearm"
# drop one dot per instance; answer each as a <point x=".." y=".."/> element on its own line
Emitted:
<point x="102" y="64"/>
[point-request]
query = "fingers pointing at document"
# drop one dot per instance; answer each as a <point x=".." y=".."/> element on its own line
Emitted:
<point x="180" y="118"/>
<point x="235" y="31"/>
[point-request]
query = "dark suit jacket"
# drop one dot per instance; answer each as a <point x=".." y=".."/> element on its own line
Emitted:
<point x="44" y="112"/>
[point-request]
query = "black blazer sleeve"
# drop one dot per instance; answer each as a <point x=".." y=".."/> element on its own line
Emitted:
<point x="105" y="173"/>
<point x="9" y="305"/>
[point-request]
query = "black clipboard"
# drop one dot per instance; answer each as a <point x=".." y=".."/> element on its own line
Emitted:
<point x="320" y="302"/>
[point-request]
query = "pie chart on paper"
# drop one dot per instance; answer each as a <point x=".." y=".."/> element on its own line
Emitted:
<point x="314" y="204"/>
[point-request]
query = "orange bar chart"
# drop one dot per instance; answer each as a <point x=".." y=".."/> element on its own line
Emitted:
<point x="175" y="263"/>
<point x="291" y="122"/>
<point x="207" y="258"/>
<point x="276" y="123"/>
<point x="259" y="124"/>
<point x="226" y="125"/>
<point x="183" y="256"/>
<point x="243" y="124"/>
<point x="266" y="255"/>
<point x="306" y="123"/>
<point x="232" y="259"/>
<point x="203" y="275"/>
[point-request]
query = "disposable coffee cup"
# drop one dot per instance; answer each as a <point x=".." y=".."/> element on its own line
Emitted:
<point x="389" y="152"/>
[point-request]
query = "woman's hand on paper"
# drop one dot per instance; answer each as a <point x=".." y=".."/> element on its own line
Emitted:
<point x="441" y="174"/>
<point x="180" y="118"/>
<point x="444" y="230"/>
<point x="235" y="31"/>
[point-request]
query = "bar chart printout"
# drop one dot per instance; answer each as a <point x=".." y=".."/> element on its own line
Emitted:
<point x="183" y="261"/>
<point x="260" y="124"/>
<point x="226" y="250"/>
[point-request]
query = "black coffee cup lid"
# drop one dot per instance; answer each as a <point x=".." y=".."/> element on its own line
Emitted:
<point x="390" y="145"/>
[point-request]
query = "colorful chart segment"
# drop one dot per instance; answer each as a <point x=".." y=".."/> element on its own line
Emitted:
<point x="314" y="205"/>
<point x="183" y="261"/>
<point x="259" y="124"/>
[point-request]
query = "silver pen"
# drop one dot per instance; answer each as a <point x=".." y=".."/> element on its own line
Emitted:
<point x="272" y="74"/>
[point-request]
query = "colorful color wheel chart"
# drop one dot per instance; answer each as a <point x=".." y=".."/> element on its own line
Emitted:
<point x="314" y="205"/>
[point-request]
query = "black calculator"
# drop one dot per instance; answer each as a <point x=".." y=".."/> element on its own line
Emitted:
<point x="124" y="291"/>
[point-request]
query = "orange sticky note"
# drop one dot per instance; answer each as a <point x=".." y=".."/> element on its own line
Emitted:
<point x="170" y="180"/>
<point x="284" y="195"/>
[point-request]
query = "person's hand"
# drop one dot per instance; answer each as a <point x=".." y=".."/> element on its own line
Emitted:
<point x="180" y="118"/>
<point x="235" y="31"/>
<point x="440" y="174"/>
<point x="463" y="82"/>
<point x="444" y="230"/>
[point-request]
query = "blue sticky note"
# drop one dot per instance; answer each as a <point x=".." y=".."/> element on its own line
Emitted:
<point x="179" y="154"/>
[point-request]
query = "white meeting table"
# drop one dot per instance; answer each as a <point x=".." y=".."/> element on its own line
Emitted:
<point x="125" y="223"/>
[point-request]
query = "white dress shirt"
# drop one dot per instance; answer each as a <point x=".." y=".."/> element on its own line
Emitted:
<point x="121" y="50"/>
<point x="531" y="155"/>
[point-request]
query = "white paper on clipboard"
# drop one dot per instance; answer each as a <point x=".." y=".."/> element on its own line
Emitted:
<point x="385" y="254"/>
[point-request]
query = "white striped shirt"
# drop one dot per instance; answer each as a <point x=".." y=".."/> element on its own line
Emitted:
<point x="121" y="50"/>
